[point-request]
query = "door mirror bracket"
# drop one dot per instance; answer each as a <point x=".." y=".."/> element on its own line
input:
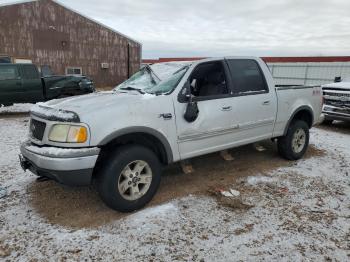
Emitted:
<point x="194" y="83"/>
<point x="192" y="110"/>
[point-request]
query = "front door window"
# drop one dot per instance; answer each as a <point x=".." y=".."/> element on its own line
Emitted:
<point x="210" y="81"/>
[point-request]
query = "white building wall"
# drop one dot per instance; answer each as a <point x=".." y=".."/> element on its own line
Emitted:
<point x="310" y="73"/>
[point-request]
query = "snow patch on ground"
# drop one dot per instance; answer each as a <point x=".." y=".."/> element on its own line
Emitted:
<point x="255" y="180"/>
<point x="16" y="108"/>
<point x="152" y="213"/>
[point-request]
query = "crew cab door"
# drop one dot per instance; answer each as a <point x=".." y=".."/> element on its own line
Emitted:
<point x="10" y="85"/>
<point x="212" y="129"/>
<point x="32" y="85"/>
<point x="254" y="104"/>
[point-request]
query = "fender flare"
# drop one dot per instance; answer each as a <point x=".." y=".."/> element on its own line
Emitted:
<point x="145" y="130"/>
<point x="307" y="108"/>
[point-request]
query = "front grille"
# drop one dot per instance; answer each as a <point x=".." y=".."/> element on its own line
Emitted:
<point x="337" y="98"/>
<point x="37" y="129"/>
<point x="328" y="93"/>
<point x="336" y="103"/>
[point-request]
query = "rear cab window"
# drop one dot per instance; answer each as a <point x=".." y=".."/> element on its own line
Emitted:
<point x="46" y="71"/>
<point x="30" y="72"/>
<point x="247" y="77"/>
<point x="8" y="72"/>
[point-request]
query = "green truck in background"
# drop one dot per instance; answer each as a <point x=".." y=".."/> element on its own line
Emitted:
<point x="23" y="83"/>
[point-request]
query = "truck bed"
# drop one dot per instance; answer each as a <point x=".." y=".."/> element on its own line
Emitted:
<point x="293" y="97"/>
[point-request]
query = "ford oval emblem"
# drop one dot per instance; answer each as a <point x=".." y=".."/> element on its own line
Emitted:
<point x="343" y="98"/>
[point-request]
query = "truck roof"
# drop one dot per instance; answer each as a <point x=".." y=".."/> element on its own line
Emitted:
<point x="196" y="59"/>
<point x="6" y="64"/>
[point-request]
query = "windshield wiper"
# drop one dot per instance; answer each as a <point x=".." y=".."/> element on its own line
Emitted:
<point x="182" y="68"/>
<point x="132" y="88"/>
<point x="157" y="93"/>
<point x="151" y="73"/>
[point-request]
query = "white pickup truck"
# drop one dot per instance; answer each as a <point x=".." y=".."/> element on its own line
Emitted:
<point x="163" y="114"/>
<point x="336" y="101"/>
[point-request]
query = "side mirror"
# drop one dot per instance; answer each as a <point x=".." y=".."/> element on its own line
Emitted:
<point x="337" y="79"/>
<point x="191" y="112"/>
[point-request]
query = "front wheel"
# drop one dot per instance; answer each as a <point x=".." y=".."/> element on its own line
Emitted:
<point x="129" y="178"/>
<point x="293" y="145"/>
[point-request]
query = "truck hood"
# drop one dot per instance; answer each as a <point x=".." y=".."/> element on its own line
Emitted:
<point x="342" y="85"/>
<point x="89" y="104"/>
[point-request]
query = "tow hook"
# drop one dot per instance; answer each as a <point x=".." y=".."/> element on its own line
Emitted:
<point x="24" y="163"/>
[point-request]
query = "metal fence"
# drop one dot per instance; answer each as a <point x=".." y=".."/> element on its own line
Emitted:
<point x="308" y="73"/>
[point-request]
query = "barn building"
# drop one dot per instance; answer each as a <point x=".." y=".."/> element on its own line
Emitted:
<point x="52" y="35"/>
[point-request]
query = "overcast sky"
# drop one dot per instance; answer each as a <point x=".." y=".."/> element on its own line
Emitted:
<point x="227" y="27"/>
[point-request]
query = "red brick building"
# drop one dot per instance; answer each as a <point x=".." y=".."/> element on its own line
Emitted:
<point x="50" y="34"/>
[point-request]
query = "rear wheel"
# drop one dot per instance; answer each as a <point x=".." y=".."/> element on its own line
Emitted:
<point x="129" y="178"/>
<point x="293" y="145"/>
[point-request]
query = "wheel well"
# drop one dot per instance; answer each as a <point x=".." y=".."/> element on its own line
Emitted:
<point x="304" y="115"/>
<point x="144" y="139"/>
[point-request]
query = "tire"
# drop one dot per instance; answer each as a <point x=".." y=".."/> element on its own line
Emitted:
<point x="290" y="148"/>
<point x="327" y="122"/>
<point x="115" y="177"/>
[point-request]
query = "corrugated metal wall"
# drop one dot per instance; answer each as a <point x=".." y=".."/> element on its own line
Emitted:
<point x="310" y="73"/>
<point x="50" y="34"/>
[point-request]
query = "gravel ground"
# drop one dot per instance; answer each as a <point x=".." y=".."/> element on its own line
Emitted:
<point x="286" y="210"/>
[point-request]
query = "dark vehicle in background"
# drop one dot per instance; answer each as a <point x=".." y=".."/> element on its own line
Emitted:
<point x="23" y="83"/>
<point x="336" y="101"/>
<point x="5" y="59"/>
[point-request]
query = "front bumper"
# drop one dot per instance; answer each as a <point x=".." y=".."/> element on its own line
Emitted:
<point x="336" y="113"/>
<point x="65" y="165"/>
<point x="328" y="116"/>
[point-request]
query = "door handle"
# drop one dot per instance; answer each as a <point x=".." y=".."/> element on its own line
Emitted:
<point x="226" y="108"/>
<point x="265" y="103"/>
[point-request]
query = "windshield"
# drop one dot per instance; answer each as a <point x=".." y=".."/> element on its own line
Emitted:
<point x="155" y="81"/>
<point x="142" y="79"/>
<point x="167" y="85"/>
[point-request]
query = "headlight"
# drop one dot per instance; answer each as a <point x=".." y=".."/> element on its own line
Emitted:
<point x="68" y="134"/>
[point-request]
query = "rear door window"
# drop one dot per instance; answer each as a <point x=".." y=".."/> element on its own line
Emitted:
<point x="30" y="72"/>
<point x="247" y="77"/>
<point x="8" y="72"/>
